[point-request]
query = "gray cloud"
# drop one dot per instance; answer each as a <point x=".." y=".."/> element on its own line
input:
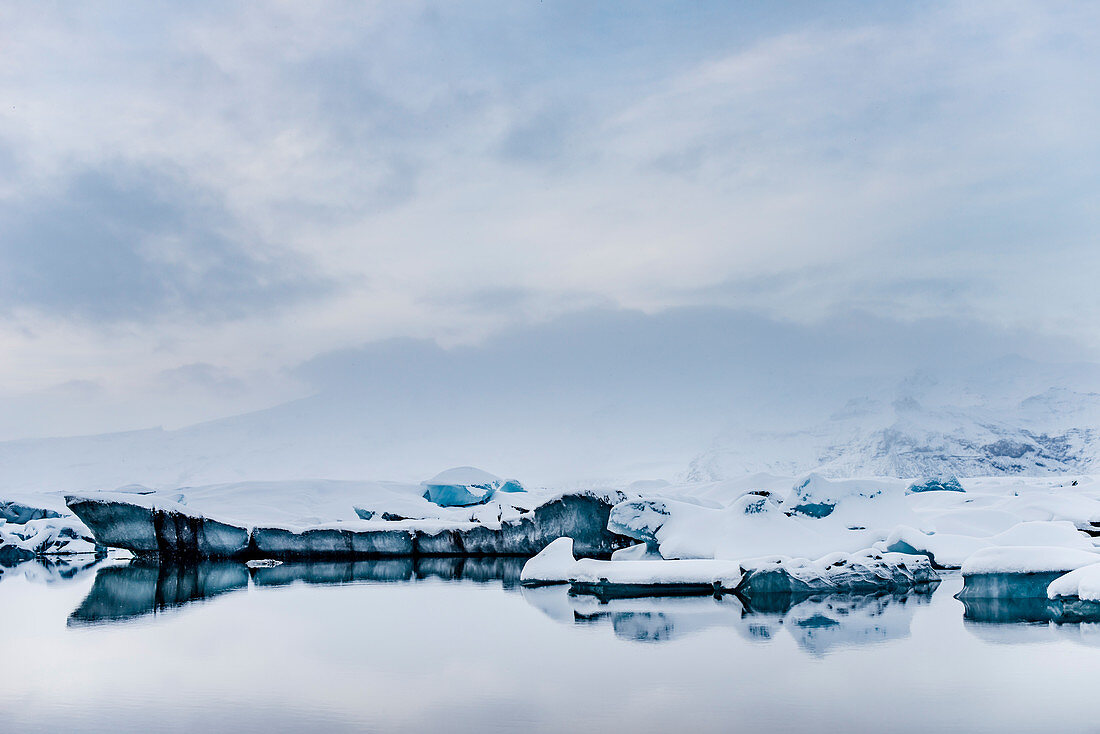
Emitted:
<point x="248" y="185"/>
<point x="124" y="243"/>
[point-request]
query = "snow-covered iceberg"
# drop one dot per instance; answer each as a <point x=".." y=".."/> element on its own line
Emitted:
<point x="856" y="573"/>
<point x="148" y="525"/>
<point x="556" y="564"/>
<point x="1012" y="581"/>
<point x="466" y="485"/>
<point x="867" y="571"/>
<point x="51" y="535"/>
<point x="936" y="484"/>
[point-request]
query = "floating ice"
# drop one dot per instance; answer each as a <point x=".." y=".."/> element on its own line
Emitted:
<point x="866" y="571"/>
<point x="1082" y="583"/>
<point x="936" y="484"/>
<point x="466" y="485"/>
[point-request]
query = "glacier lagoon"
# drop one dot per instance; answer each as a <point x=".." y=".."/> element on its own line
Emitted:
<point x="457" y="644"/>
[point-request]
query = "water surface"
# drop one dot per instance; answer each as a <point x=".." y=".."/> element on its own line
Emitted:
<point x="455" y="645"/>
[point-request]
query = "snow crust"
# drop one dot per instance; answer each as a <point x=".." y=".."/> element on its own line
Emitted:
<point x="1022" y="559"/>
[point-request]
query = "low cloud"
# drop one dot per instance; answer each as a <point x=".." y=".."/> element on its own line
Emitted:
<point x="134" y="244"/>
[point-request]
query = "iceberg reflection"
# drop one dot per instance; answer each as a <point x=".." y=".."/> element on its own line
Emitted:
<point x="126" y="592"/>
<point x="818" y="625"/>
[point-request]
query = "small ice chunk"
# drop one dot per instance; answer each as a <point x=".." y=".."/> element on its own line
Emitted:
<point x="554" y="565"/>
<point x="463" y="486"/>
<point x="936" y="484"/>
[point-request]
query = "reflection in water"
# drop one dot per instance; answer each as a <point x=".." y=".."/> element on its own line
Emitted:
<point x="53" y="569"/>
<point x="1029" y="609"/>
<point x="817" y="624"/>
<point x="137" y="589"/>
<point x="504" y="570"/>
<point x="1005" y="611"/>
<point x="1017" y="633"/>
<point x="821" y="624"/>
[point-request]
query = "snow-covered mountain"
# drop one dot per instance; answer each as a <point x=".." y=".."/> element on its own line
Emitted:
<point x="984" y="423"/>
<point x="608" y="420"/>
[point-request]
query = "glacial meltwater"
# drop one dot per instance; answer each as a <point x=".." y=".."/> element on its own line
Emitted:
<point x="458" y="646"/>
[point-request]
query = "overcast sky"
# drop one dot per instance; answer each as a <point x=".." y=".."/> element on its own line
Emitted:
<point x="198" y="198"/>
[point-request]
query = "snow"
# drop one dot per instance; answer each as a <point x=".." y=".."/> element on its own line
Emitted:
<point x="638" y="552"/>
<point x="556" y="564"/>
<point x="1083" y="583"/>
<point x="553" y="565"/>
<point x="951" y="550"/>
<point x="46" y="536"/>
<point x="752" y="516"/>
<point x="1027" y="559"/>
<point x="719" y="574"/>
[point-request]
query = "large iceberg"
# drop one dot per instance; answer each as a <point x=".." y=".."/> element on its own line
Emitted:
<point x="147" y="525"/>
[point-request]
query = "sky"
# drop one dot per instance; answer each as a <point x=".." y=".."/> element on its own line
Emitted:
<point x="201" y="203"/>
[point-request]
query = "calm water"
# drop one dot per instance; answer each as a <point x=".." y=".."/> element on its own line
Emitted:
<point x="453" y="646"/>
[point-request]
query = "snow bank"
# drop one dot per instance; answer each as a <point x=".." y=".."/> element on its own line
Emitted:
<point x="951" y="551"/>
<point x="1082" y="583"/>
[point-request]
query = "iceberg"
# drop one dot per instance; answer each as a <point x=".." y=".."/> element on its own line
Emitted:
<point x="466" y="485"/>
<point x="145" y="525"/>
<point x="19" y="513"/>
<point x="1082" y="583"/>
<point x="1016" y="573"/>
<point x="618" y="579"/>
<point x="46" y="536"/>
<point x="817" y="497"/>
<point x="948" y="550"/>
<point x="863" y="572"/>
<point x="936" y="484"/>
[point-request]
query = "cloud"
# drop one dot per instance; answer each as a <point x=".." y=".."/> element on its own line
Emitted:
<point x="249" y="186"/>
<point x="132" y="244"/>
